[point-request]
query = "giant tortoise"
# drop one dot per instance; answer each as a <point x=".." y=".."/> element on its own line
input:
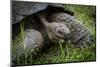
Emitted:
<point x="44" y="23"/>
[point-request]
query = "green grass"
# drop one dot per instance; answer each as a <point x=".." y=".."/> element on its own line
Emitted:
<point x="63" y="52"/>
<point x="71" y="54"/>
<point x="18" y="44"/>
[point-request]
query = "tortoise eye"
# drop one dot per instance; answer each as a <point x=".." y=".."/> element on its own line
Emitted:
<point x="60" y="32"/>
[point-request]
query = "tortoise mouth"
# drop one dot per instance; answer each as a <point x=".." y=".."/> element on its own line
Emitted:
<point x="65" y="37"/>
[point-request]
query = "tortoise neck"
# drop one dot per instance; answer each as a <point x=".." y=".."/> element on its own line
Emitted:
<point x="44" y="21"/>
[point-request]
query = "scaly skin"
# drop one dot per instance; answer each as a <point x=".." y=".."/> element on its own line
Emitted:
<point x="79" y="33"/>
<point x="55" y="31"/>
<point x="32" y="43"/>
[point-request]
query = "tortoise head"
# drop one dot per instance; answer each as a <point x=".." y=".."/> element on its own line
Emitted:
<point x="58" y="31"/>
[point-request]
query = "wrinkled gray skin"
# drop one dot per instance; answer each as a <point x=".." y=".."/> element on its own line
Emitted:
<point x="33" y="39"/>
<point x="79" y="33"/>
<point x="56" y="31"/>
<point x="32" y="42"/>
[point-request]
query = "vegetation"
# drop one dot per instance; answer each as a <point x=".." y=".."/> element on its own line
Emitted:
<point x="63" y="52"/>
